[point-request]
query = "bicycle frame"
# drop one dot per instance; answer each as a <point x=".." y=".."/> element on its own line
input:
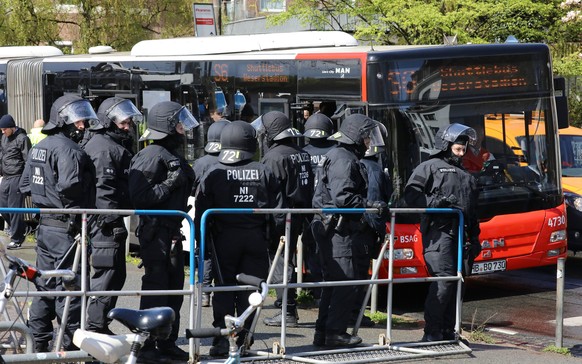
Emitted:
<point x="235" y="324"/>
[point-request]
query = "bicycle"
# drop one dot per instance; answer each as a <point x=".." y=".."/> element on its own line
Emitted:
<point x="235" y="324"/>
<point x="19" y="268"/>
<point x="155" y="323"/>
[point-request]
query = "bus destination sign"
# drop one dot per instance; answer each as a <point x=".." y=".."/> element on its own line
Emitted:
<point x="415" y="80"/>
<point x="253" y="72"/>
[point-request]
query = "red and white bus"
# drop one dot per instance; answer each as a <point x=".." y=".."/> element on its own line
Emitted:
<point x="412" y="90"/>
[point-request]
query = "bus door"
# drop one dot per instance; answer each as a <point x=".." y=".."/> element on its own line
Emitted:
<point x="337" y="109"/>
<point x="346" y="109"/>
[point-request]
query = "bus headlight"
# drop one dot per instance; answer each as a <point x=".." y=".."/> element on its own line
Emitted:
<point x="573" y="200"/>
<point x="558" y="235"/>
<point x="400" y="254"/>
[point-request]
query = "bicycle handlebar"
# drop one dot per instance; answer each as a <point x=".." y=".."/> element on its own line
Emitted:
<point x="21" y="268"/>
<point x="233" y="324"/>
<point x="250" y="280"/>
<point x="206" y="332"/>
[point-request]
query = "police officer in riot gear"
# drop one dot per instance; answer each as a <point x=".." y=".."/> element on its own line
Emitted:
<point x="58" y="174"/>
<point x="240" y="240"/>
<point x="292" y="167"/>
<point x="379" y="189"/>
<point x="200" y="166"/>
<point x="161" y="179"/>
<point x="212" y="149"/>
<point x="341" y="183"/>
<point x="441" y="181"/>
<point x="110" y="151"/>
<point x="318" y="128"/>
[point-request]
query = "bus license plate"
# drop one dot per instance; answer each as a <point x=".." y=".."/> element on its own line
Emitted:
<point x="489" y="266"/>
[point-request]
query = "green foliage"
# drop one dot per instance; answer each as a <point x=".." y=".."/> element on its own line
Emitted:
<point x="305" y="299"/>
<point x="427" y="22"/>
<point x="575" y="107"/>
<point x="477" y="332"/>
<point x="98" y="22"/>
<point x="557" y="350"/>
<point x="570" y="66"/>
<point x="27" y="22"/>
<point x="479" y="335"/>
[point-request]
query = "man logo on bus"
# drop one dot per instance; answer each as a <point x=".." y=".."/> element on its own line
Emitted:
<point x="496" y="243"/>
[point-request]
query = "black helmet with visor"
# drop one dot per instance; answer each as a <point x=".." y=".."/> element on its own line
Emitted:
<point x="116" y="110"/>
<point x="356" y="128"/>
<point x="164" y="117"/>
<point x="275" y="126"/>
<point x="451" y="134"/>
<point x="69" y="109"/>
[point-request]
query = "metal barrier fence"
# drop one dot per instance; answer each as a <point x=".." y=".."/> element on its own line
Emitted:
<point x="412" y="348"/>
<point x="197" y="289"/>
<point x="80" y="260"/>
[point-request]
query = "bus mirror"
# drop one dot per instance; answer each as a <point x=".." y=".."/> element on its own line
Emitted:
<point x="561" y="102"/>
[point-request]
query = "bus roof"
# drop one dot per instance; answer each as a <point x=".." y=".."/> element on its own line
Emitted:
<point x="241" y="43"/>
<point x="29" y="51"/>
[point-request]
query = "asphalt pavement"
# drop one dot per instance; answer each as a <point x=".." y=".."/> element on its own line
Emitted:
<point x="517" y="348"/>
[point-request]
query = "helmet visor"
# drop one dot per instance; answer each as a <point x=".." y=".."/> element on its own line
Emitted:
<point x="375" y="135"/>
<point x="258" y="125"/>
<point x="454" y="131"/>
<point x="123" y="111"/>
<point x="77" y="111"/>
<point x="185" y="117"/>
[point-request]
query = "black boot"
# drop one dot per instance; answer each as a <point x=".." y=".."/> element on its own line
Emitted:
<point x="343" y="340"/>
<point x="290" y="320"/>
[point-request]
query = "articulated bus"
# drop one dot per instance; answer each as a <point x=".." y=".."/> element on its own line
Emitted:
<point x="412" y="90"/>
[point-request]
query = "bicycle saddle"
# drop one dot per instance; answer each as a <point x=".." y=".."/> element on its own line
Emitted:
<point x="155" y="321"/>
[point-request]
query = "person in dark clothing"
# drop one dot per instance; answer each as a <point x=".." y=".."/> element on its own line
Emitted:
<point x="292" y="167"/>
<point x="110" y="151"/>
<point x="14" y="147"/>
<point x="240" y="239"/>
<point x="318" y="128"/>
<point x="58" y="174"/>
<point x="161" y="179"/>
<point x="327" y="108"/>
<point x="200" y="166"/>
<point x="441" y="181"/>
<point x="379" y="189"/>
<point x="341" y="182"/>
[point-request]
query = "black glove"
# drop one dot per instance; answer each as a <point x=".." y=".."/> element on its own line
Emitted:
<point x="475" y="247"/>
<point x="72" y="284"/>
<point x="382" y="207"/>
<point x="471" y="251"/>
<point x="446" y="201"/>
<point x="175" y="179"/>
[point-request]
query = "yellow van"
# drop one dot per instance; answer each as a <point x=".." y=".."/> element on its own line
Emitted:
<point x="507" y="137"/>
<point x="571" y="156"/>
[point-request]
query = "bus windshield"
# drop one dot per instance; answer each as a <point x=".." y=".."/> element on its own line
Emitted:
<point x="512" y="161"/>
<point x="506" y="99"/>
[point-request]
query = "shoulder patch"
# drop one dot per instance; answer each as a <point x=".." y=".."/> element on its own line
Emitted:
<point x="38" y="155"/>
<point x="174" y="164"/>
